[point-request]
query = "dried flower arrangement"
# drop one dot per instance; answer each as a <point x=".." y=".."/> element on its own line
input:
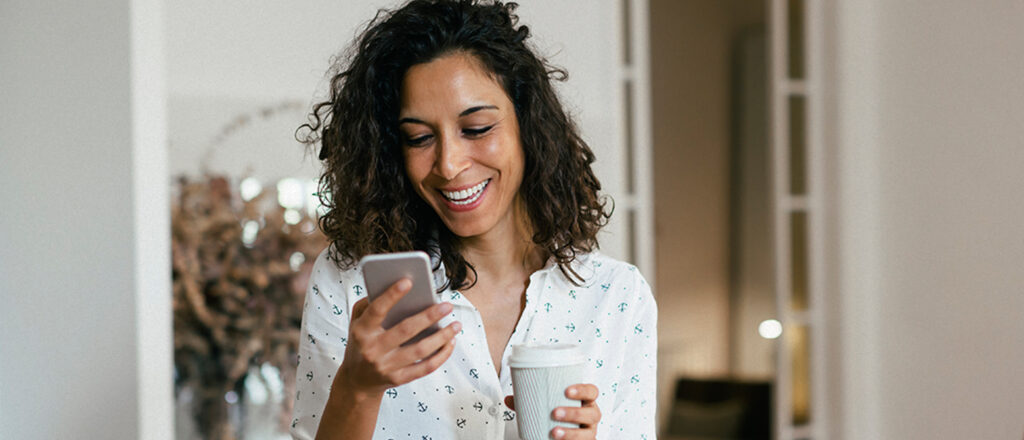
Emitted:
<point x="238" y="296"/>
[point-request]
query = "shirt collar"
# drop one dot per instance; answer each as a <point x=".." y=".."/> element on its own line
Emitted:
<point x="583" y="264"/>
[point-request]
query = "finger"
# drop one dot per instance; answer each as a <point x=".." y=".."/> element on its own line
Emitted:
<point x="415" y="324"/>
<point x="380" y="305"/>
<point x="426" y="366"/>
<point x="359" y="307"/>
<point x="573" y="433"/>
<point x="582" y="391"/>
<point x="422" y="349"/>
<point x="586" y="416"/>
<point x="510" y="402"/>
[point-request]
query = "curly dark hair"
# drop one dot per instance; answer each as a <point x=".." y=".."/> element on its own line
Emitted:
<point x="371" y="204"/>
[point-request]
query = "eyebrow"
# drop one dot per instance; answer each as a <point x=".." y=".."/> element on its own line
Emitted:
<point x="472" y="110"/>
<point x="465" y="112"/>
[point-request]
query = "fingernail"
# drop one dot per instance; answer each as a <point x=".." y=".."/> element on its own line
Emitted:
<point x="404" y="284"/>
<point x="559" y="433"/>
<point x="457" y="326"/>
<point x="572" y="392"/>
<point x="445" y="308"/>
<point x="559" y="413"/>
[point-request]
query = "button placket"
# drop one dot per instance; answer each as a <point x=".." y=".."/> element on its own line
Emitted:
<point x="534" y="292"/>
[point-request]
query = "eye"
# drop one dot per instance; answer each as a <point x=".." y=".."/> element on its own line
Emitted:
<point x="418" y="140"/>
<point x="474" y="132"/>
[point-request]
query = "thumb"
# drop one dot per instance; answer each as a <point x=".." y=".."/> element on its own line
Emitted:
<point x="510" y="403"/>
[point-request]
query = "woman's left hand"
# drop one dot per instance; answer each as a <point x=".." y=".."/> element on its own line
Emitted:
<point x="587" y="415"/>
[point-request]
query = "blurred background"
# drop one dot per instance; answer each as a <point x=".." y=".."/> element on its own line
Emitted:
<point x="824" y="195"/>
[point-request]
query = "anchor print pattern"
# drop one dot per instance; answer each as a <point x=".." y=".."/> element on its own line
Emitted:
<point x="612" y="315"/>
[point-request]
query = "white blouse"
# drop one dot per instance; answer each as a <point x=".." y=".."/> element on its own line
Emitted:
<point x="613" y="317"/>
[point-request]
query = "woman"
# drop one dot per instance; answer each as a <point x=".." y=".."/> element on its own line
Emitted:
<point x="444" y="134"/>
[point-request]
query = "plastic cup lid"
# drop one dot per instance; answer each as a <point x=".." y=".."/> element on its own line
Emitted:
<point x="544" y="356"/>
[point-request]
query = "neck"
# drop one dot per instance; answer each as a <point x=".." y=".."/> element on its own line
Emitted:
<point x="502" y="259"/>
<point x="506" y="252"/>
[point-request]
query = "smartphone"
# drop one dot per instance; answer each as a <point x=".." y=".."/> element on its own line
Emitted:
<point x="381" y="271"/>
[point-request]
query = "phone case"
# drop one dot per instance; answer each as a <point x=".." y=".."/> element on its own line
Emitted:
<point x="380" y="271"/>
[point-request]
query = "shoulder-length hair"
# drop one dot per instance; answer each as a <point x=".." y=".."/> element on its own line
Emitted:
<point x="371" y="204"/>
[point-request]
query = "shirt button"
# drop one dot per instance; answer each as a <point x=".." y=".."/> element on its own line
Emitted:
<point x="493" y="410"/>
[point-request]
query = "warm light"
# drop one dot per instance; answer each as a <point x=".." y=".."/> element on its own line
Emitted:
<point x="250" y="188"/>
<point x="292" y="217"/>
<point x="296" y="261"/>
<point x="770" y="329"/>
<point x="249" y="231"/>
<point x="290" y="193"/>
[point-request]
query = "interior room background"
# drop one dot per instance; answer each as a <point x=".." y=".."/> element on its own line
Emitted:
<point x="103" y="103"/>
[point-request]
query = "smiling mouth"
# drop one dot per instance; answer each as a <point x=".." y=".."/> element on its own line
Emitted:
<point x="466" y="196"/>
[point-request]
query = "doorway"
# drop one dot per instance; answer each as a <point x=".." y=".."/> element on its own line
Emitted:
<point x="709" y="75"/>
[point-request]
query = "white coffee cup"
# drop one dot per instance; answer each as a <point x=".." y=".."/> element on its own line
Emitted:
<point x="540" y="375"/>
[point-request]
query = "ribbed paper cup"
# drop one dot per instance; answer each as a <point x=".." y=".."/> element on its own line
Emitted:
<point x="540" y="375"/>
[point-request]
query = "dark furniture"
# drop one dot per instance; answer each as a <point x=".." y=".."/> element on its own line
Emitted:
<point x="721" y="409"/>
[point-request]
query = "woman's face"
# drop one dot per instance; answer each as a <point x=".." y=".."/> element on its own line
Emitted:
<point x="461" y="144"/>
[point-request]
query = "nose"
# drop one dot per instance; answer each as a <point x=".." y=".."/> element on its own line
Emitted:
<point x="452" y="157"/>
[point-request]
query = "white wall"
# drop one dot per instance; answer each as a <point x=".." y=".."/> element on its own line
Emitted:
<point x="85" y="325"/>
<point x="929" y="105"/>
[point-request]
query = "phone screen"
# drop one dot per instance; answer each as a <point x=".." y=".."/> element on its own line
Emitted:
<point x="381" y="271"/>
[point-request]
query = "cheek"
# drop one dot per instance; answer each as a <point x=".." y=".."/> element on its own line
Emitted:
<point x="516" y="159"/>
<point x="416" y="168"/>
<point x="507" y="153"/>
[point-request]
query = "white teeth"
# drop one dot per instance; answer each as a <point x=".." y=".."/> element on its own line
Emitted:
<point x="466" y="196"/>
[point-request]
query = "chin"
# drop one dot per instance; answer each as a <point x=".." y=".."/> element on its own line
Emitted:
<point x="464" y="229"/>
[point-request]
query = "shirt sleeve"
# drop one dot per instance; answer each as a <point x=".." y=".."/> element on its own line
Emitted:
<point x="634" y="412"/>
<point x="325" y="319"/>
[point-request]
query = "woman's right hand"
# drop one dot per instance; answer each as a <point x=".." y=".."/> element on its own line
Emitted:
<point x="375" y="359"/>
